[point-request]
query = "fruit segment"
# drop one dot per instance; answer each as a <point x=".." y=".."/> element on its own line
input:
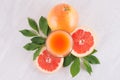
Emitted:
<point x="59" y="43"/>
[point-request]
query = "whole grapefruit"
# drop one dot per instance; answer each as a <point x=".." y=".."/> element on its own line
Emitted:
<point x="64" y="17"/>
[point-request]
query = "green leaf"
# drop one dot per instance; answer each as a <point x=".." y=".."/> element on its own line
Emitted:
<point x="75" y="67"/>
<point x="48" y="31"/>
<point x="33" y="24"/>
<point x="94" y="51"/>
<point x="28" y="33"/>
<point x="68" y="60"/>
<point x="73" y="57"/>
<point x="87" y="66"/>
<point x="38" y="40"/>
<point x="31" y="46"/>
<point x="43" y="25"/>
<point x="92" y="59"/>
<point x="37" y="52"/>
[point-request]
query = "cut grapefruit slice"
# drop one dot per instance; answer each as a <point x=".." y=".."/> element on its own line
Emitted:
<point x="48" y="63"/>
<point x="84" y="41"/>
<point x="59" y="43"/>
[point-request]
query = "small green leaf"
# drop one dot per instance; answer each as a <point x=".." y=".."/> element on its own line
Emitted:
<point x="73" y="57"/>
<point x="33" y="24"/>
<point x="43" y="25"/>
<point x="75" y="67"/>
<point x="48" y="31"/>
<point x="31" y="46"/>
<point x="94" y="51"/>
<point x="28" y="33"/>
<point x="87" y="66"/>
<point x="37" y="52"/>
<point x="68" y="60"/>
<point x="38" y="40"/>
<point x="92" y="59"/>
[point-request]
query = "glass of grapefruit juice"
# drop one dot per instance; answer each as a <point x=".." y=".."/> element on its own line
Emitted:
<point x="59" y="43"/>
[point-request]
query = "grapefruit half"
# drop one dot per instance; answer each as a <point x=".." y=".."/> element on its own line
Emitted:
<point x="47" y="63"/>
<point x="84" y="40"/>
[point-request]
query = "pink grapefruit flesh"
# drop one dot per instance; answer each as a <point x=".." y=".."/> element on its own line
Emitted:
<point x="84" y="41"/>
<point x="48" y="63"/>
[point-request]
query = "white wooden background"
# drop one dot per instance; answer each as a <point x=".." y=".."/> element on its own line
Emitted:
<point x="101" y="15"/>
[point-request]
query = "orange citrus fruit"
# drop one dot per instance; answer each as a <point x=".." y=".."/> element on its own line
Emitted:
<point x="84" y="41"/>
<point x="59" y="43"/>
<point x="48" y="63"/>
<point x="64" y="17"/>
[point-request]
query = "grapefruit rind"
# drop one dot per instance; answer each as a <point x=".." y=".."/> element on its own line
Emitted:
<point x="43" y="70"/>
<point x="92" y="48"/>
